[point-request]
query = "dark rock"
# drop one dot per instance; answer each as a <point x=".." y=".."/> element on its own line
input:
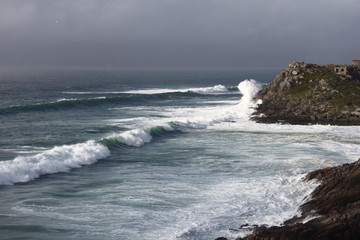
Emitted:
<point x="334" y="207"/>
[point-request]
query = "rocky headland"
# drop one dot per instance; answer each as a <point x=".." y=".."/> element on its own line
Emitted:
<point x="306" y="93"/>
<point x="333" y="211"/>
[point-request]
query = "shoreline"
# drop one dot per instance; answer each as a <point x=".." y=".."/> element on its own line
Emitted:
<point x="308" y="94"/>
<point x="332" y="211"/>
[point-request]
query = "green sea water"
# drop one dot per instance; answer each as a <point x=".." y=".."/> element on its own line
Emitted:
<point x="150" y="154"/>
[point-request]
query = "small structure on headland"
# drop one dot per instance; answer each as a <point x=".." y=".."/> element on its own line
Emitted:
<point x="356" y="62"/>
<point x="306" y="93"/>
<point x="341" y="70"/>
<point x="344" y="69"/>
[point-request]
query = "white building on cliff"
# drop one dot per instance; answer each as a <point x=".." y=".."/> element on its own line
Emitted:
<point x="356" y="62"/>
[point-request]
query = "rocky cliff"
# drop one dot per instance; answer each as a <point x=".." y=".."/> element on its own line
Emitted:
<point x="311" y="94"/>
<point x="332" y="213"/>
<point x="334" y="209"/>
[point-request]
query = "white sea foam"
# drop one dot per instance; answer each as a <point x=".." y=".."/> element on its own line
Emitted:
<point x="206" y="90"/>
<point x="347" y="150"/>
<point x="270" y="200"/>
<point x="57" y="159"/>
<point x="197" y="118"/>
<point x="154" y="91"/>
<point x="75" y="99"/>
<point x="228" y="102"/>
<point x="205" y="117"/>
<point x="92" y="93"/>
<point x="137" y="137"/>
<point x="248" y="88"/>
<point x="120" y="121"/>
<point x="66" y="99"/>
<point x="24" y="149"/>
<point x="79" y="93"/>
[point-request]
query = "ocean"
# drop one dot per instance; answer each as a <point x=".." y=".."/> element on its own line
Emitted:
<point x="166" y="154"/>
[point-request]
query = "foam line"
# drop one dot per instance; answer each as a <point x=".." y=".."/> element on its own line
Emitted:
<point x="137" y="137"/>
<point x="57" y="159"/>
<point x="206" y="90"/>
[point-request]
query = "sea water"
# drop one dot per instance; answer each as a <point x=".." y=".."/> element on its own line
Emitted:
<point x="150" y="154"/>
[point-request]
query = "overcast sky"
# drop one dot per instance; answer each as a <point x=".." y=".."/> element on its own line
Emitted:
<point x="178" y="33"/>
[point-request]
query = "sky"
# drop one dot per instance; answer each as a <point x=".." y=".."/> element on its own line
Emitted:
<point x="178" y="33"/>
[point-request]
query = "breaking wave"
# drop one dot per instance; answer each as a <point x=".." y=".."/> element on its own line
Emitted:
<point x="58" y="159"/>
<point x="204" y="118"/>
<point x="136" y="137"/>
<point x="123" y="98"/>
<point x="217" y="89"/>
<point x="64" y="158"/>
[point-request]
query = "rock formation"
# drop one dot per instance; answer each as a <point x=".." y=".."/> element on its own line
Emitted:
<point x="334" y="209"/>
<point x="311" y="94"/>
<point x="332" y="213"/>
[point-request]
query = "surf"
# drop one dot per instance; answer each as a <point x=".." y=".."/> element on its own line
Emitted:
<point x="123" y="98"/>
<point x="58" y="159"/>
<point x="66" y="157"/>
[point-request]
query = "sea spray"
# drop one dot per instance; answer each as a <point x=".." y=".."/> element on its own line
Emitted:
<point x="57" y="159"/>
<point x="211" y="116"/>
<point x="249" y="89"/>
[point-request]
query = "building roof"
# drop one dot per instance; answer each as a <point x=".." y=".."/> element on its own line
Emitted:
<point x="356" y="60"/>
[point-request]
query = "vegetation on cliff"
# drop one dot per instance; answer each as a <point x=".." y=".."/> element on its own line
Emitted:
<point x="311" y="94"/>
<point x="316" y="94"/>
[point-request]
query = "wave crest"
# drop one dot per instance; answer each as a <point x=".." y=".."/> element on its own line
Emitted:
<point x="206" y="90"/>
<point x="64" y="158"/>
<point x="137" y="137"/>
<point x="57" y="159"/>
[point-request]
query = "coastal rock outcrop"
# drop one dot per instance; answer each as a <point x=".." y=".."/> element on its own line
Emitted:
<point x="306" y="93"/>
<point x="332" y="213"/>
<point x="316" y="94"/>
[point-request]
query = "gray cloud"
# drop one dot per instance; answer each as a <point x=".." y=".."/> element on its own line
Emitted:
<point x="185" y="33"/>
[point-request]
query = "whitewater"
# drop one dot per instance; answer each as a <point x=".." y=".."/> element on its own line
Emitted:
<point x="63" y="158"/>
<point x="151" y="155"/>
